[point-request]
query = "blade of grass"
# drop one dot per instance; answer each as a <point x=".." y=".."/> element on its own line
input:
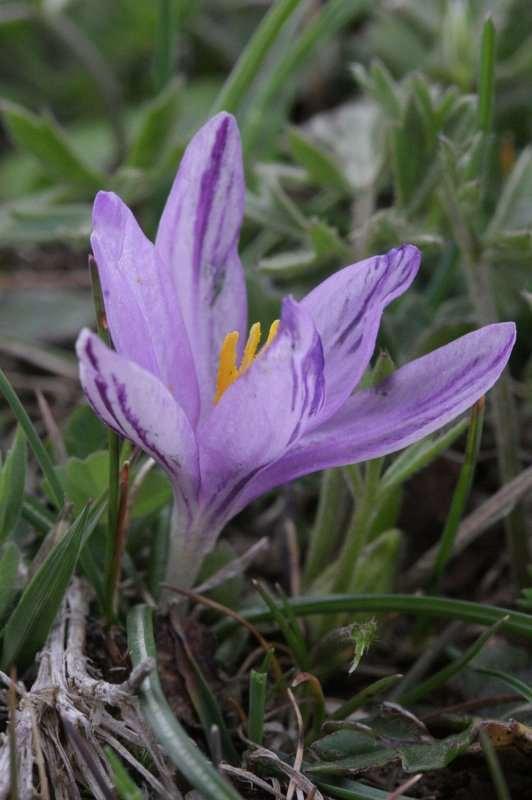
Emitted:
<point x="497" y="776"/>
<point x="248" y="65"/>
<point x="354" y="790"/>
<point x="258" y="682"/>
<point x="114" y="454"/>
<point x="331" y="18"/>
<point x="460" y="494"/>
<point x="511" y="681"/>
<point x="361" y="698"/>
<point x="186" y="756"/>
<point x="322" y="535"/>
<point x="291" y="633"/>
<point x="44" y="460"/>
<point x="8" y="575"/>
<point x="517" y="622"/>
<point x="443" y="675"/>
<point x="124" y="784"/>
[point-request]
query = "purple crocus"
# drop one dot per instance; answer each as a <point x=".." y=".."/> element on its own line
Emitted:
<point x="228" y="421"/>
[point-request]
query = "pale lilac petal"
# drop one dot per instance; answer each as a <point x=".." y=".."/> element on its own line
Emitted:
<point x="265" y="411"/>
<point x="138" y="406"/>
<point x="413" y="402"/>
<point x="347" y="309"/>
<point x="141" y="302"/>
<point x="198" y="238"/>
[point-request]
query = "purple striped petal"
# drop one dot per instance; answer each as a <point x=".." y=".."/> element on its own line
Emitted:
<point x="412" y="403"/>
<point x="264" y="411"/>
<point x="138" y="406"/>
<point x="347" y="309"/>
<point x="198" y="238"/>
<point x="141" y="302"/>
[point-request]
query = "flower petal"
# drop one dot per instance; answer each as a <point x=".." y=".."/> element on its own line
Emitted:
<point x="347" y="309"/>
<point x="198" y="237"/>
<point x="138" y="406"/>
<point x="265" y="410"/>
<point x="141" y="302"/>
<point x="413" y="402"/>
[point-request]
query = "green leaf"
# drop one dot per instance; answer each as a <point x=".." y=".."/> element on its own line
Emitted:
<point x="518" y="623"/>
<point x="46" y="141"/>
<point x="252" y="57"/>
<point x="9" y="562"/>
<point x="419" y="455"/>
<point x="124" y="784"/>
<point x="321" y="166"/>
<point x="354" y="790"/>
<point x="84" y="433"/>
<point x="389" y="738"/>
<point x="177" y="746"/>
<point x="33" y="440"/>
<point x="12" y="480"/>
<point x="326" y="242"/>
<point x="290" y="265"/>
<point x="28" y="626"/>
<point x="516" y="684"/>
<point x="156" y="126"/>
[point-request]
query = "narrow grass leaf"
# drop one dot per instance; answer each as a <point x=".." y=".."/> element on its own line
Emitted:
<point x="12" y="480"/>
<point x="156" y="125"/>
<point x="513" y="622"/>
<point x="441" y="677"/>
<point x="252" y="57"/>
<point x="291" y="632"/>
<point x="34" y="441"/>
<point x="185" y="755"/>
<point x="321" y="166"/>
<point x="461" y="492"/>
<point x="46" y="141"/>
<point x="29" y="624"/>
<point x="124" y="783"/>
<point x="516" y="684"/>
<point x="419" y="455"/>
<point x="361" y="698"/>
<point x="258" y="682"/>
<point x="9" y="562"/>
<point x="354" y="790"/>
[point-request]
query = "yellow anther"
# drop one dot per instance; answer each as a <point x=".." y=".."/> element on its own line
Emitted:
<point x="272" y="333"/>
<point x="228" y="371"/>
<point x="250" y="350"/>
<point x="227" y="368"/>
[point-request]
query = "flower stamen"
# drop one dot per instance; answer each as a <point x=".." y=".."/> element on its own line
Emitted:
<point x="228" y="371"/>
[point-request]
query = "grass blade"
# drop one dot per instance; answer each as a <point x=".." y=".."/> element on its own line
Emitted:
<point x="34" y="441"/>
<point x="511" y="681"/>
<point x="460" y="494"/>
<point x="442" y="676"/>
<point x="29" y="624"/>
<point x="248" y="65"/>
<point x="177" y="745"/>
<point x="12" y="480"/>
<point x="516" y="622"/>
<point x="8" y="575"/>
<point x="258" y="682"/>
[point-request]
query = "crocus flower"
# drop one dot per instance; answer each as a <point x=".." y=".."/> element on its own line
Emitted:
<point x="229" y="418"/>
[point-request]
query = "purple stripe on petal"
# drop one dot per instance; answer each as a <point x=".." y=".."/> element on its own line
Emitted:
<point x="413" y="402"/>
<point x="347" y="309"/>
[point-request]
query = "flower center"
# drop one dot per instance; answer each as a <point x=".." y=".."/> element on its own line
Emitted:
<point x="228" y="371"/>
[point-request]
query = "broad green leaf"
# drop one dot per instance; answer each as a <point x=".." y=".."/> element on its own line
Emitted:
<point x="9" y="561"/>
<point x="84" y="433"/>
<point x="45" y="140"/>
<point x="12" y="480"/>
<point x="354" y="790"/>
<point x="321" y="166"/>
<point x="155" y="127"/>
<point x="86" y="479"/>
<point x="28" y="626"/>
<point x="386" y="741"/>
